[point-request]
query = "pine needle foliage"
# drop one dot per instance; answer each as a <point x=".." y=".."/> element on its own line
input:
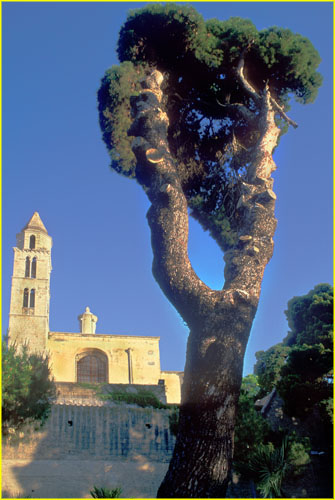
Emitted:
<point x="208" y="136"/>
<point x="301" y="367"/>
<point x="306" y="382"/>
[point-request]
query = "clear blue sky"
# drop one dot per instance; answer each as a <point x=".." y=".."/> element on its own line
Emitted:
<point x="54" y="162"/>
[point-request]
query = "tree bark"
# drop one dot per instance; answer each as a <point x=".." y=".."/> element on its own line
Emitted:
<point x="219" y="321"/>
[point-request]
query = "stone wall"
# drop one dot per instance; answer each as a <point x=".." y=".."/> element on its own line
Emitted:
<point x="173" y="382"/>
<point x="144" y="353"/>
<point x="82" y="446"/>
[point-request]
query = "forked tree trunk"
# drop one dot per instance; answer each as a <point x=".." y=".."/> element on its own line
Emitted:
<point x="219" y="321"/>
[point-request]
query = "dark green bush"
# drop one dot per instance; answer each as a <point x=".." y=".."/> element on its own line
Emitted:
<point x="141" y="398"/>
<point x="27" y="387"/>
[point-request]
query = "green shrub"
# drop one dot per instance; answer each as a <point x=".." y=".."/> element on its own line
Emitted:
<point x="27" y="387"/>
<point x="141" y="398"/>
<point x="90" y="385"/>
<point x="174" y="420"/>
<point x="267" y="467"/>
<point x="299" y="452"/>
<point x="251" y="429"/>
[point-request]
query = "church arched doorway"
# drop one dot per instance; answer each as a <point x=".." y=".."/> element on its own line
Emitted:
<point x="92" y="366"/>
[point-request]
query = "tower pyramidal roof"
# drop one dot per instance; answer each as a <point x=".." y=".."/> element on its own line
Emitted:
<point x="36" y="223"/>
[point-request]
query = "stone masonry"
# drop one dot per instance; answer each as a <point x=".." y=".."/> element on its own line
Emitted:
<point x="82" y="446"/>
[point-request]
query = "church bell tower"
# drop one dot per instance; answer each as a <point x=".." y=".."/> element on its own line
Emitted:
<point x="30" y="294"/>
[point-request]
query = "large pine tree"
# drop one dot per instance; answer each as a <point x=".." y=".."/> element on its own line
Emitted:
<point x="194" y="112"/>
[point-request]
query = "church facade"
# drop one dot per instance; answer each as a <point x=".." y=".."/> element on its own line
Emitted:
<point x="77" y="357"/>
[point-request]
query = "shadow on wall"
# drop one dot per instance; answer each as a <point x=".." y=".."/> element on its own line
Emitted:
<point x="85" y="446"/>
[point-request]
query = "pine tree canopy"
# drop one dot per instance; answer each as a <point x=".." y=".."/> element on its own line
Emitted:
<point x="310" y="318"/>
<point x="212" y="116"/>
<point x="301" y="367"/>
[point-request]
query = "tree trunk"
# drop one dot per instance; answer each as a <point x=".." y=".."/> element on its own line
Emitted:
<point x="202" y="458"/>
<point x="219" y="321"/>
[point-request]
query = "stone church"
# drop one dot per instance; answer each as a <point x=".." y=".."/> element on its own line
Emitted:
<point x="84" y="356"/>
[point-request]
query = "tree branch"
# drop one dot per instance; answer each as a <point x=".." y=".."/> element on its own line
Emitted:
<point x="240" y="73"/>
<point x="254" y="94"/>
<point x="282" y="113"/>
<point x="168" y="215"/>
<point x="239" y="109"/>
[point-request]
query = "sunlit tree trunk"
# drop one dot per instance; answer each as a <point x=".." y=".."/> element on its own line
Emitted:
<point x="219" y="321"/>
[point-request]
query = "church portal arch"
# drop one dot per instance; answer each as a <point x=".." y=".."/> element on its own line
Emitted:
<point x="92" y="366"/>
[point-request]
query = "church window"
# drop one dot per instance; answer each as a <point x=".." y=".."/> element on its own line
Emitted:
<point x="32" y="298"/>
<point x="92" y="367"/>
<point x="32" y="242"/>
<point x="27" y="271"/>
<point x="25" y="297"/>
<point x="33" y="268"/>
